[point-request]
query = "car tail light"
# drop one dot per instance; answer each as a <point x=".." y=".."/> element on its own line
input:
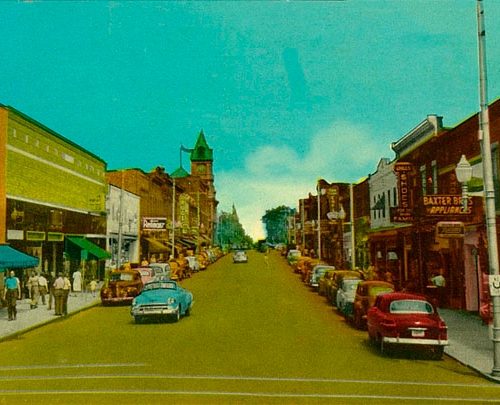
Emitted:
<point x="388" y="324"/>
<point x="443" y="330"/>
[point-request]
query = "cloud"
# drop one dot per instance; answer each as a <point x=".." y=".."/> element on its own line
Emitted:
<point x="279" y="175"/>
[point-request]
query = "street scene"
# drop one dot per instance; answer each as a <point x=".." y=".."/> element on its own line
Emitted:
<point x="250" y="202"/>
<point x="255" y="334"/>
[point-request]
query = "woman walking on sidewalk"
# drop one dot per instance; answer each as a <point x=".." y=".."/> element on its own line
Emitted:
<point x="11" y="293"/>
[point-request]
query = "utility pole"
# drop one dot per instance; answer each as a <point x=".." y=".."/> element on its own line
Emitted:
<point x="489" y="190"/>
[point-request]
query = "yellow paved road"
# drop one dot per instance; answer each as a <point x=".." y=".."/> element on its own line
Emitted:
<point x="256" y="335"/>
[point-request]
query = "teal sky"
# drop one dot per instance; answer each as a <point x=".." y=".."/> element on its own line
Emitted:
<point x="285" y="91"/>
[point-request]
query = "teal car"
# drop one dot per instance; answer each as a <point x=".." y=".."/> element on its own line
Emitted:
<point x="161" y="299"/>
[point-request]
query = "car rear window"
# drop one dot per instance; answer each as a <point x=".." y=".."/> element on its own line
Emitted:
<point x="380" y="290"/>
<point x="410" y="307"/>
<point x="122" y="277"/>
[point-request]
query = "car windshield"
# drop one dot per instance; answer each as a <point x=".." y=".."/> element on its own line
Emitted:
<point x="410" y="307"/>
<point x="122" y="277"/>
<point x="145" y="272"/>
<point x="160" y="284"/>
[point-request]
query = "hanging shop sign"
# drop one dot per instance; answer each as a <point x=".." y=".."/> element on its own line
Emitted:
<point x="404" y="211"/>
<point x="445" y="205"/>
<point x="450" y="229"/>
<point x="154" y="223"/>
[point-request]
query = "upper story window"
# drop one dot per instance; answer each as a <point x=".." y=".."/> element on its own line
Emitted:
<point x="434" y="177"/>
<point x="423" y="180"/>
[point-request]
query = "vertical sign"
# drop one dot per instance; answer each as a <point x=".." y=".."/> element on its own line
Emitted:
<point x="404" y="211"/>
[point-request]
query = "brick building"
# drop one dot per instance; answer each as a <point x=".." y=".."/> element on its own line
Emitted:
<point x="52" y="195"/>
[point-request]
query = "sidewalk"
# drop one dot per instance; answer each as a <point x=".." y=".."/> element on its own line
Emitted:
<point x="470" y="341"/>
<point x="32" y="318"/>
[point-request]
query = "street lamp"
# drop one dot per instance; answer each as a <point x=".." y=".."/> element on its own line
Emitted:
<point x="320" y="191"/>
<point x="463" y="172"/>
<point x="489" y="189"/>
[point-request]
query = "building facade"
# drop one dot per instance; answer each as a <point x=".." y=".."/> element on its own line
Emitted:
<point x="52" y="196"/>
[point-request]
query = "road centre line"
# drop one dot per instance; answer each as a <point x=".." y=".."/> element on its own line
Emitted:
<point x="65" y="366"/>
<point x="245" y="394"/>
<point x="236" y="378"/>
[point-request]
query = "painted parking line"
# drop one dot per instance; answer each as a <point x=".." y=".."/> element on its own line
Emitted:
<point x="69" y="366"/>
<point x="247" y="394"/>
<point x="219" y="378"/>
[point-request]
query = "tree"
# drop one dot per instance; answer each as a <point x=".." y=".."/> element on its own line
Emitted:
<point x="276" y="223"/>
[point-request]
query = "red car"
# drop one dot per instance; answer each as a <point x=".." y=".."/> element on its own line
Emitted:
<point x="407" y="320"/>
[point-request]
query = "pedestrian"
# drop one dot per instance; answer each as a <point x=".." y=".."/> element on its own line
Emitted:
<point x="33" y="289"/>
<point x="77" y="281"/>
<point x="42" y="287"/>
<point x="58" y="294"/>
<point x="50" y="283"/>
<point x="93" y="287"/>
<point x="439" y="282"/>
<point x="11" y="293"/>
<point x="66" y="290"/>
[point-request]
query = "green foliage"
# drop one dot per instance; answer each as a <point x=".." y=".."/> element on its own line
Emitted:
<point x="276" y="224"/>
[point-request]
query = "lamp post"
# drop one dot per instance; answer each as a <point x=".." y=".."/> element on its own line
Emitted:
<point x="463" y="172"/>
<point x="320" y="191"/>
<point x="341" y="216"/>
<point x="489" y="190"/>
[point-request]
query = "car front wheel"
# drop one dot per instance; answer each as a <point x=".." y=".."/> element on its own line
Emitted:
<point x="177" y="314"/>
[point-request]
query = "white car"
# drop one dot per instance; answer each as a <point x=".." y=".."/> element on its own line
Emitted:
<point x="240" y="257"/>
<point x="347" y="292"/>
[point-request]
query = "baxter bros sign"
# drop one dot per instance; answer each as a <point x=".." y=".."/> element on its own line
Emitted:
<point x="443" y="205"/>
<point x="154" y="223"/>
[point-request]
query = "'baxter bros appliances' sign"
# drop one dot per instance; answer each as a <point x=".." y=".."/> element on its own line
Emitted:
<point x="154" y="223"/>
<point x="445" y="205"/>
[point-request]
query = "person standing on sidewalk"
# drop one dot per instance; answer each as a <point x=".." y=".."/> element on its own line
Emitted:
<point x="58" y="294"/>
<point x="33" y="288"/>
<point x="66" y="290"/>
<point x="42" y="287"/>
<point x="11" y="293"/>
<point x="50" y="284"/>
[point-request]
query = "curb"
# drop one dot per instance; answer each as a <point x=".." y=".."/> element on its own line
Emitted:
<point x="15" y="334"/>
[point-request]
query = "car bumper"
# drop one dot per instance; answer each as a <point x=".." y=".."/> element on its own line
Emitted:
<point x="153" y="311"/>
<point x="117" y="300"/>
<point x="410" y="341"/>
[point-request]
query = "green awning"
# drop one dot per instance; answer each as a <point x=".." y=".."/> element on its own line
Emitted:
<point x="11" y="258"/>
<point x="90" y="247"/>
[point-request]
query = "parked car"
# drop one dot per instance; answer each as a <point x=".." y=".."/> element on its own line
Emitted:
<point x="147" y="274"/>
<point x="305" y="267"/>
<point x="193" y="263"/>
<point x="366" y="293"/>
<point x="161" y="269"/>
<point x="316" y="273"/>
<point x="407" y="320"/>
<point x="240" y="256"/>
<point x="347" y="292"/>
<point x="161" y="299"/>
<point x="325" y="281"/>
<point x="337" y="279"/>
<point x="292" y="256"/>
<point x="121" y="287"/>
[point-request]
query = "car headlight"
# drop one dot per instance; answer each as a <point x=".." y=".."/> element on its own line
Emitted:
<point x="171" y="300"/>
<point x="133" y="302"/>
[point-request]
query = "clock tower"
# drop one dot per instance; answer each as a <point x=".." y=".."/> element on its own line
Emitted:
<point x="202" y="167"/>
<point x="202" y="160"/>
